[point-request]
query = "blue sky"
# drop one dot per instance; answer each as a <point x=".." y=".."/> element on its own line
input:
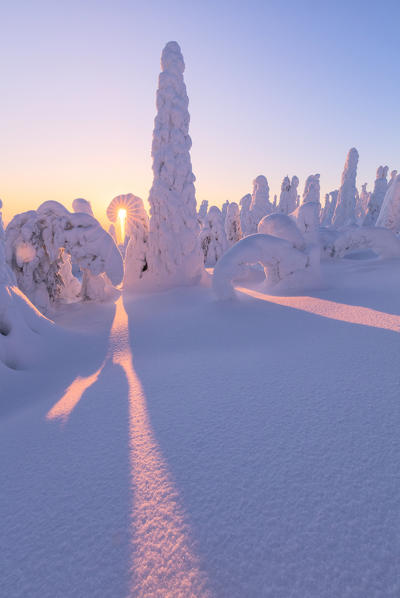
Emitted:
<point x="275" y="88"/>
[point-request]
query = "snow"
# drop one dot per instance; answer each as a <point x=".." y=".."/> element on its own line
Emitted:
<point x="288" y="196"/>
<point x="248" y="448"/>
<point x="381" y="240"/>
<point x="212" y="237"/>
<point x="260" y="204"/>
<point x="233" y="230"/>
<point x="174" y="254"/>
<point x="82" y="205"/>
<point x="389" y="215"/>
<point x="377" y="197"/>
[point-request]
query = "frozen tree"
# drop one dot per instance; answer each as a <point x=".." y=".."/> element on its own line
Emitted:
<point x="174" y="253"/>
<point x="224" y="210"/>
<point x="381" y="240"/>
<point x="41" y="244"/>
<point x="233" y="231"/>
<point x="82" y="205"/>
<point x="245" y="218"/>
<point x="212" y="237"/>
<point x="22" y="326"/>
<point x="362" y="204"/>
<point x="345" y="206"/>
<point x="288" y="196"/>
<point x="389" y="216"/>
<point x="275" y="203"/>
<point x="202" y="213"/>
<point x="377" y="196"/>
<point x="393" y="176"/>
<point x="323" y="217"/>
<point x="311" y="191"/>
<point x="260" y="204"/>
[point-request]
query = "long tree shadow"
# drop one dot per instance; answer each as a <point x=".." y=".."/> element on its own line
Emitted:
<point x="274" y="441"/>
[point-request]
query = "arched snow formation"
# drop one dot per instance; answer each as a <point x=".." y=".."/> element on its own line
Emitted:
<point x="281" y="262"/>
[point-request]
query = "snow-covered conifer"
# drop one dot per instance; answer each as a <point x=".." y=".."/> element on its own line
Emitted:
<point x="260" y="204"/>
<point x="377" y="197"/>
<point x="212" y="237"/>
<point x="224" y="209"/>
<point x="82" y="205"/>
<point x="345" y="206"/>
<point x="202" y="213"/>
<point x="233" y="229"/>
<point x="174" y="254"/>
<point x="245" y="218"/>
<point x="288" y="196"/>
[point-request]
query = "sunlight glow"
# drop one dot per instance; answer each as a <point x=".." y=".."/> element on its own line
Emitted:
<point x="122" y="213"/>
<point x="73" y="394"/>
<point x="353" y="314"/>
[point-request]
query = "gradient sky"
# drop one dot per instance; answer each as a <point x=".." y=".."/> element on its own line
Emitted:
<point x="274" y="87"/>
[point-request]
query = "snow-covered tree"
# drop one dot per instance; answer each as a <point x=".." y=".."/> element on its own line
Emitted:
<point x="275" y="203"/>
<point x="224" y="209"/>
<point x="377" y="197"/>
<point x="389" y="216"/>
<point x="288" y="196"/>
<point x="346" y="202"/>
<point x="362" y="204"/>
<point x="22" y="326"/>
<point x="82" y="205"/>
<point x="40" y="246"/>
<point x="202" y="213"/>
<point x="174" y="254"/>
<point x="212" y="237"/>
<point x="233" y="231"/>
<point x="311" y="191"/>
<point x="245" y="217"/>
<point x="260" y="204"/>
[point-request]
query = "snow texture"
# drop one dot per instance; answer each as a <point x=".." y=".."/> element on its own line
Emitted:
<point x="377" y="196"/>
<point x="174" y="255"/>
<point x="233" y="231"/>
<point x="362" y="204"/>
<point x="346" y="202"/>
<point x="389" y="216"/>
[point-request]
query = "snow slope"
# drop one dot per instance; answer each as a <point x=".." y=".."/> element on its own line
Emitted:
<point x="188" y="447"/>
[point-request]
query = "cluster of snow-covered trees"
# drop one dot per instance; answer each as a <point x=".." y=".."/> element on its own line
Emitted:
<point x="51" y="255"/>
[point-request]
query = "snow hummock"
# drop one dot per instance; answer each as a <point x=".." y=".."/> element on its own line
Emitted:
<point x="174" y="255"/>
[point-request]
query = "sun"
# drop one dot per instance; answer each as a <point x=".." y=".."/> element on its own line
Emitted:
<point x="122" y="214"/>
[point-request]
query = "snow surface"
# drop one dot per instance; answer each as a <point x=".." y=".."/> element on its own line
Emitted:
<point x="238" y="449"/>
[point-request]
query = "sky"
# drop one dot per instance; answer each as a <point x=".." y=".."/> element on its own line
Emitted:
<point x="275" y="88"/>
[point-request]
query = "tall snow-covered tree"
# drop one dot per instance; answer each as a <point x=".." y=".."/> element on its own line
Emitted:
<point x="346" y="202"/>
<point x="245" y="218"/>
<point x="174" y="254"/>
<point x="377" y="196"/>
<point x="224" y="209"/>
<point x="393" y="176"/>
<point x="260" y="204"/>
<point x="202" y="213"/>
<point x="389" y="216"/>
<point x="233" y="229"/>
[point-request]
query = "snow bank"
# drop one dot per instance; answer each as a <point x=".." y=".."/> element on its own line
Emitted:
<point x="282" y="264"/>
<point x="381" y="240"/>
<point x="174" y="255"/>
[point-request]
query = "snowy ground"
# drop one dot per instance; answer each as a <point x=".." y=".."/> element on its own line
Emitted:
<point x="177" y="446"/>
